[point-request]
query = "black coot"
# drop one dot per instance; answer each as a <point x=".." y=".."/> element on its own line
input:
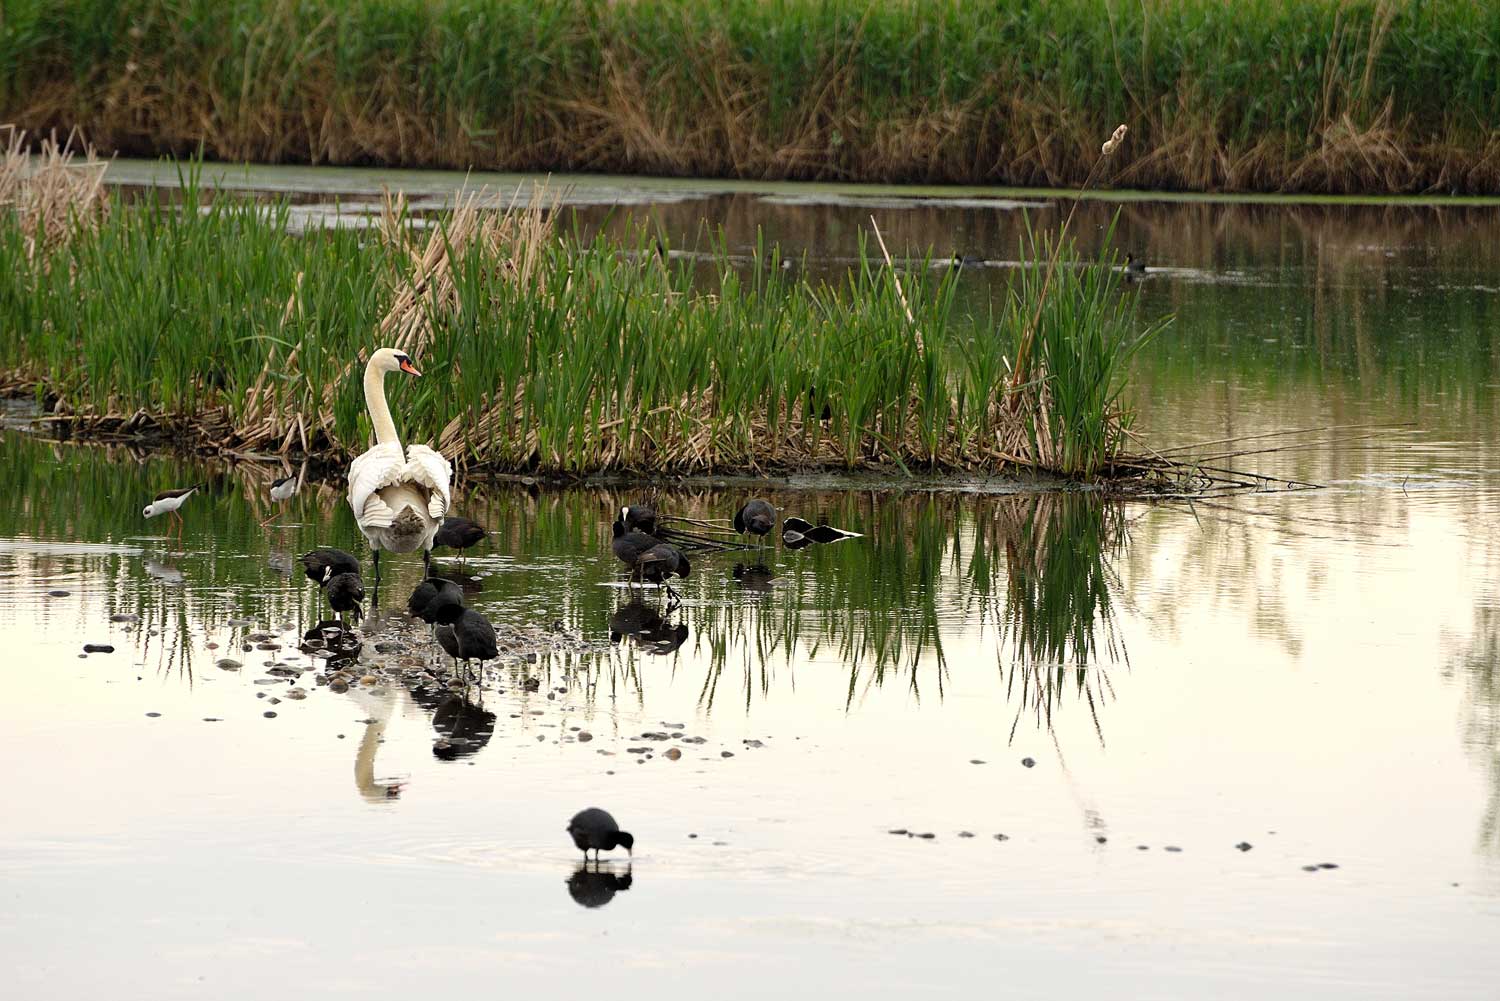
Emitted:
<point x="596" y="829"/>
<point x="459" y="534"/>
<point x="317" y="563"/>
<point x="346" y="593"/>
<point x="757" y="517"/>
<point x="641" y="517"/>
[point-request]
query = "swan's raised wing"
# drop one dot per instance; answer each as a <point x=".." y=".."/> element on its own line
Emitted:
<point x="380" y="467"/>
<point x="429" y="469"/>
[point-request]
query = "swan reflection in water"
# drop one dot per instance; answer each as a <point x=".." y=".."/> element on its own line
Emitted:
<point x="594" y="885"/>
<point x="647" y="628"/>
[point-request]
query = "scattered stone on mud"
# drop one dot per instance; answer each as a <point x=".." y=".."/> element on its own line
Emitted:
<point x="636" y="750"/>
<point x="296" y="694"/>
<point x="898" y="830"/>
<point x="267" y="681"/>
<point x="1029" y="762"/>
<point x="338" y="687"/>
<point x="726" y="754"/>
<point x="259" y="638"/>
<point x="1309" y="868"/>
<point x="976" y="761"/>
<point x="153" y="715"/>
<point x="98" y="648"/>
<point x="695" y="740"/>
<point x="584" y="736"/>
<point x="752" y="743"/>
<point x="124" y="617"/>
<point x="1244" y="846"/>
<point x="966" y="834"/>
<point x="389" y="647"/>
<point x="268" y="646"/>
<point x="1101" y="839"/>
<point x="925" y="836"/>
<point x="369" y="680"/>
<point x="1172" y="848"/>
<point x="672" y="754"/>
<point x="1002" y="837"/>
<point x="269" y="714"/>
<point x="213" y="719"/>
<point x="1143" y="848"/>
<point x="653" y="736"/>
<point x="58" y="593"/>
<point x="1328" y="865"/>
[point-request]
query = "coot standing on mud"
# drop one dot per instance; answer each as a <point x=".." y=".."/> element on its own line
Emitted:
<point x="648" y="558"/>
<point x="469" y="637"/>
<point x="596" y="829"/>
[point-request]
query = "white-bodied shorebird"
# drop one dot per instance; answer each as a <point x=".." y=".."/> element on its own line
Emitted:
<point x="168" y="501"/>
<point x="282" y="490"/>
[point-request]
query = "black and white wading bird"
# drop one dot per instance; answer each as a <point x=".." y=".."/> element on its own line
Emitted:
<point x="459" y="534"/>
<point x="168" y="501"/>
<point x="596" y="829"/>
<point x="755" y="517"/>
<point x="282" y="490"/>
<point x="399" y="494"/>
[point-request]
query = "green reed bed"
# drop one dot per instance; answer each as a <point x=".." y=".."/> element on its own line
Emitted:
<point x="553" y="354"/>
<point x="1307" y="95"/>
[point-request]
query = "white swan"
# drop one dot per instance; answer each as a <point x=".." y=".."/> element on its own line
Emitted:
<point x="399" y="496"/>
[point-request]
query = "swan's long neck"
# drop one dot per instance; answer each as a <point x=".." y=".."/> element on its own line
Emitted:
<point x="380" y="413"/>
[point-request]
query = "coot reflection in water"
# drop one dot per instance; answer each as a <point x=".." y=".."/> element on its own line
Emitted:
<point x="593" y="885"/>
<point x="465" y="728"/>
<point x="647" y="627"/>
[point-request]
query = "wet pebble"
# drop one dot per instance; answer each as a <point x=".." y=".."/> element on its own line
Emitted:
<point x="1244" y="846"/>
<point x="295" y="694"/>
<point x="213" y="719"/>
<point x="925" y="836"/>
<point x="1309" y="868"/>
<point x="898" y="830"/>
<point x="976" y="761"/>
<point x="1172" y="848"/>
<point x="1327" y="865"/>
<point x="1143" y="848"/>
<point x="1029" y="762"/>
<point x="672" y="754"/>
<point x="726" y="754"/>
<point x="752" y="743"/>
<point x="584" y="737"/>
<point x="240" y="623"/>
<point x="259" y="638"/>
<point x="153" y="715"/>
<point x="966" y="834"/>
<point x="98" y="648"/>
<point x="124" y="617"/>
<point x="339" y="687"/>
<point x="695" y="740"/>
<point x="1002" y="837"/>
<point x="226" y="664"/>
<point x="269" y="714"/>
<point x="57" y="594"/>
<point x="1101" y="839"/>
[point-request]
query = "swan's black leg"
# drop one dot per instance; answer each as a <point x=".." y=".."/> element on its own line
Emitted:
<point x="376" y="552"/>
<point x="427" y="562"/>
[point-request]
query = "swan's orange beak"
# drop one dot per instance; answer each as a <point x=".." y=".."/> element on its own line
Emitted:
<point x="408" y="367"/>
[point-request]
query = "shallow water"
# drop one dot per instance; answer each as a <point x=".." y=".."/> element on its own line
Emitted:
<point x="1311" y="673"/>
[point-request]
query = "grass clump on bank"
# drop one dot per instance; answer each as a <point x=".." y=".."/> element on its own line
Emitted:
<point x="547" y="353"/>
<point x="1335" y="96"/>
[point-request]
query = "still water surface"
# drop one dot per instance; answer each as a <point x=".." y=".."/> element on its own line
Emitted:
<point x="1313" y="674"/>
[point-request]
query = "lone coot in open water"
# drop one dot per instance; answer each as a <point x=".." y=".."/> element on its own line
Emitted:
<point x="596" y="829"/>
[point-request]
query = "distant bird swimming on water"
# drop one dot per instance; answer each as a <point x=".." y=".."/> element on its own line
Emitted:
<point x="459" y="534"/>
<point x="168" y="501"/>
<point x="596" y="829"/>
<point x="755" y="517"/>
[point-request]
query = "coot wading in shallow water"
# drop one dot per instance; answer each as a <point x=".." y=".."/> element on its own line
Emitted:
<point x="168" y="502"/>
<point x="649" y="559"/>
<point x="756" y="517"/>
<point x="596" y="829"/>
<point x="469" y="637"/>
<point x="459" y="534"/>
<point x="346" y="593"/>
<point x="399" y="495"/>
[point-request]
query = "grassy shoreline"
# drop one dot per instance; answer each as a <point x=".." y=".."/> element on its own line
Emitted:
<point x="1323" y="96"/>
<point x="209" y="320"/>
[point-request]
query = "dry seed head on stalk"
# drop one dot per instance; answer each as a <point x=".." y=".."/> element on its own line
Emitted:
<point x="1113" y="142"/>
